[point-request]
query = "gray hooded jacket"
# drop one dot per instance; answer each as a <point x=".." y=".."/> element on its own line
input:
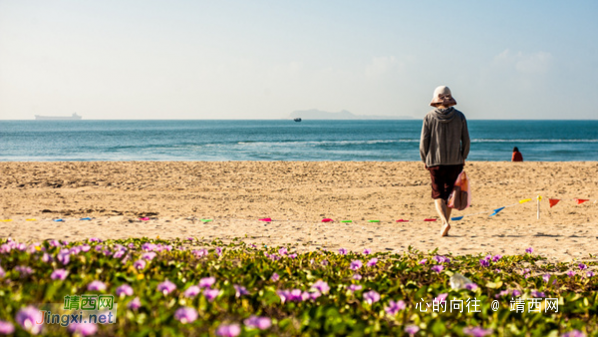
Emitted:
<point x="444" y="138"/>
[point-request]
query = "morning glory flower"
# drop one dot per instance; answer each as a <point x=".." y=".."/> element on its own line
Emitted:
<point x="149" y="256"/>
<point x="59" y="274"/>
<point x="423" y="261"/>
<point x="536" y="293"/>
<point x="275" y="277"/>
<point x="124" y="290"/>
<point x="357" y="277"/>
<point x="477" y="332"/>
<point x="211" y="294"/>
<point x="471" y="286"/>
<point x="516" y="292"/>
<point x="356" y="264"/>
<point x="582" y="266"/>
<point x="574" y="333"/>
<point x="240" y="291"/>
<point x="283" y="251"/>
<point x="411" y="329"/>
<point x="394" y="307"/>
<point x="192" y="291"/>
<point x="342" y="251"/>
<point x="571" y="273"/>
<point x="442" y="259"/>
<point x="166" y="287"/>
<point x="96" y="286"/>
<point x="261" y="323"/>
<point x="590" y="274"/>
<point x="139" y="264"/>
<point x="64" y="256"/>
<point x="27" y="318"/>
<point x="484" y="263"/>
<point x="372" y="262"/>
<point x="185" y="315"/>
<point x="207" y="282"/>
<point x="371" y="297"/>
<point x="6" y="328"/>
<point x="83" y="329"/>
<point x="529" y="250"/>
<point x="321" y="286"/>
<point x="495" y="258"/>
<point x="134" y="304"/>
<point x="355" y="287"/>
<point x="367" y="251"/>
<point x="441" y="298"/>
<point x="232" y="330"/>
<point x="437" y="268"/>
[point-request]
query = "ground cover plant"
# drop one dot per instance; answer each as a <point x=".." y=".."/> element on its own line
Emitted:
<point x="188" y="287"/>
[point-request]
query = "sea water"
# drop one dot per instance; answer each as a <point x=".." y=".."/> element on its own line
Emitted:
<point x="284" y="140"/>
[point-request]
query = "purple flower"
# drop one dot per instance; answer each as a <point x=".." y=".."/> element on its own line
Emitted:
<point x="471" y="286"/>
<point x="200" y="253"/>
<point x="28" y="318"/>
<point x="411" y="329"/>
<point x="83" y="329"/>
<point x="210" y="294"/>
<point x="477" y="331"/>
<point x="372" y="262"/>
<point x="24" y="270"/>
<point x="94" y="240"/>
<point x="166" y="287"/>
<point x="59" y="274"/>
<point x="357" y="277"/>
<point x="437" y="268"/>
<point x="529" y="250"/>
<point x="371" y="297"/>
<point x="590" y="274"/>
<point x="240" y="291"/>
<point x="274" y="277"/>
<point x="6" y="328"/>
<point x="441" y="298"/>
<point x="574" y="333"/>
<point x="314" y="295"/>
<point x="64" y="257"/>
<point x="134" y="304"/>
<point x="516" y="292"/>
<point x="96" y="286"/>
<point x="355" y="287"/>
<point x="324" y="262"/>
<point x="148" y="246"/>
<point x="2" y="272"/>
<point x="46" y="258"/>
<point x="571" y="273"/>
<point x="218" y="251"/>
<point x="546" y="277"/>
<point x="232" y="330"/>
<point x="484" y="263"/>
<point x="149" y="256"/>
<point x="367" y="251"/>
<point x="139" y="264"/>
<point x="495" y="258"/>
<point x="442" y="259"/>
<point x="582" y="266"/>
<point x="536" y="293"/>
<point x="207" y="282"/>
<point x="283" y="251"/>
<point x="394" y="307"/>
<point x="342" y="251"/>
<point x="124" y="290"/>
<point x="424" y="261"/>
<point x="261" y="323"/>
<point x="185" y="315"/>
<point x="119" y="254"/>
<point x="356" y="264"/>
<point x="321" y="286"/>
<point x="192" y="291"/>
<point x="85" y="248"/>
<point x="292" y="256"/>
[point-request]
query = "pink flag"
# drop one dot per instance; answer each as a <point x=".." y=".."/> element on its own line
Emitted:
<point x="144" y="219"/>
<point x="401" y="220"/>
<point x="327" y="220"/>
<point x="266" y="219"/>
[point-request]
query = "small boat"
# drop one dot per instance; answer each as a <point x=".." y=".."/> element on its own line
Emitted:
<point x="297" y="119"/>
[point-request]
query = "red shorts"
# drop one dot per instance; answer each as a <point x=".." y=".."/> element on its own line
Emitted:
<point x="443" y="179"/>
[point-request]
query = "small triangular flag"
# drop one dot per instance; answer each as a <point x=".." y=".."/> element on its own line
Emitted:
<point x="346" y="221"/>
<point x="457" y="218"/>
<point x="553" y="202"/>
<point x="266" y="219"/>
<point x="581" y="201"/>
<point x="373" y="220"/>
<point x="496" y="211"/>
<point x="430" y="220"/>
<point x="401" y="220"/>
<point x="523" y="201"/>
<point x="327" y="220"/>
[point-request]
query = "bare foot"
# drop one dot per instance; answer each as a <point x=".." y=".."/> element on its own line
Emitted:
<point x="445" y="230"/>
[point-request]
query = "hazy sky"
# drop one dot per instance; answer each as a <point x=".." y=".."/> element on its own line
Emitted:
<point x="264" y="59"/>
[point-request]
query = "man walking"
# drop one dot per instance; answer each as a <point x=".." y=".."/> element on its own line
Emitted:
<point x="443" y="147"/>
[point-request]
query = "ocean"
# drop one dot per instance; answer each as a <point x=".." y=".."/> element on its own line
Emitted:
<point x="284" y="140"/>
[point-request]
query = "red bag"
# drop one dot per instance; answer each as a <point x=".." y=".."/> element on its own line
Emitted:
<point x="460" y="198"/>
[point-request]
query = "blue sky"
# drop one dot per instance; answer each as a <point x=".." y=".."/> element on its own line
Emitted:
<point x="265" y="59"/>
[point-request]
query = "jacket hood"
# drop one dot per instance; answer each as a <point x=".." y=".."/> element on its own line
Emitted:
<point x="444" y="115"/>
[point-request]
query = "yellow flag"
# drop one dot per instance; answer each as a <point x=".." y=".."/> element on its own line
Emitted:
<point x="523" y="201"/>
<point x="539" y="198"/>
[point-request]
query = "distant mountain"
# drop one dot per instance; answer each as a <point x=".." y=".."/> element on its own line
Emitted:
<point x="318" y="114"/>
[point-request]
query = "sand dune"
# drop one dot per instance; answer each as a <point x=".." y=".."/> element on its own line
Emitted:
<point x="298" y="195"/>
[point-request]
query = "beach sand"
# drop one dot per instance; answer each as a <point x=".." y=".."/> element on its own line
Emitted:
<point x="297" y="196"/>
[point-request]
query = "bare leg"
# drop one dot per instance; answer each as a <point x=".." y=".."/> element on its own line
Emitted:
<point x="445" y="215"/>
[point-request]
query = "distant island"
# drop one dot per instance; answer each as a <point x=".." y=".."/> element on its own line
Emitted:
<point x="73" y="117"/>
<point x="318" y="114"/>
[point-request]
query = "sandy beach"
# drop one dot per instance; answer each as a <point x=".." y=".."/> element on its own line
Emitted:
<point x="297" y="196"/>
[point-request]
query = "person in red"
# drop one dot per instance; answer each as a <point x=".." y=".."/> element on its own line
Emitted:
<point x="516" y="155"/>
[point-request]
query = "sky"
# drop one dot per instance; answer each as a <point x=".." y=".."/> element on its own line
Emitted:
<point x="125" y="59"/>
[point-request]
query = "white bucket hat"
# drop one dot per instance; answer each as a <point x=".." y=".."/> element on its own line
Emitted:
<point x="442" y="90"/>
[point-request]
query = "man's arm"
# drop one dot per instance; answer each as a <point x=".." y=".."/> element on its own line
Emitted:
<point x="424" y="142"/>
<point x="465" y="142"/>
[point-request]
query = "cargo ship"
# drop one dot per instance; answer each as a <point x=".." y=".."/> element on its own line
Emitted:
<point x="74" y="117"/>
